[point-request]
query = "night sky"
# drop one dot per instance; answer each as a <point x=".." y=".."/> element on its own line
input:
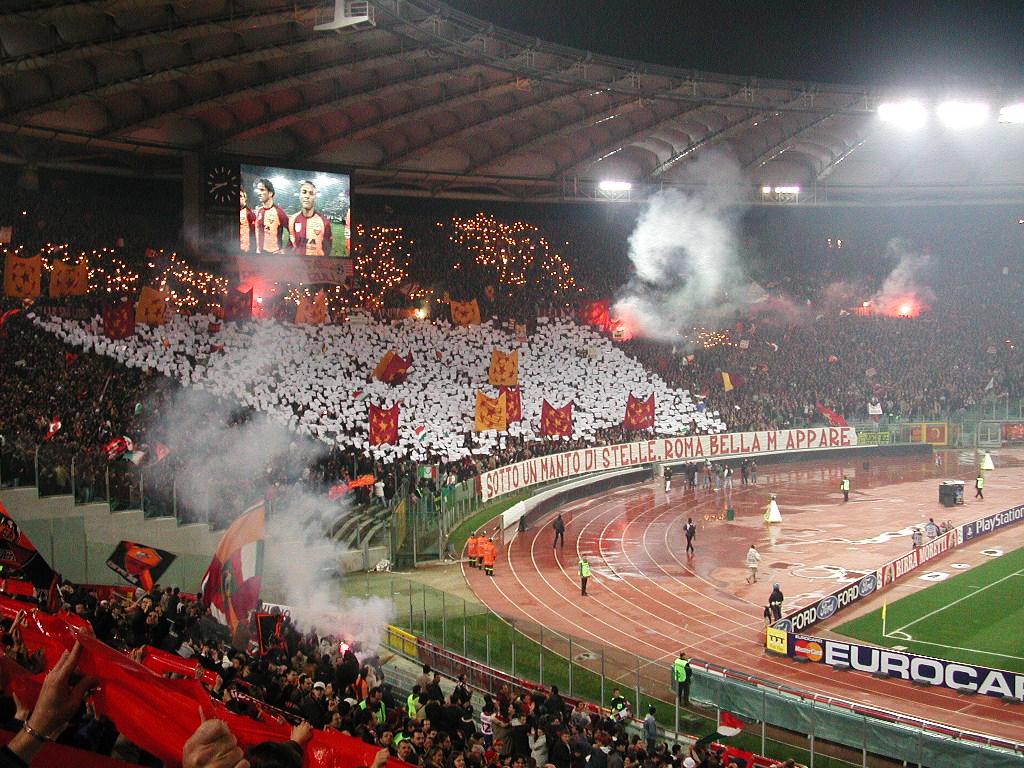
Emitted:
<point x="953" y="45"/>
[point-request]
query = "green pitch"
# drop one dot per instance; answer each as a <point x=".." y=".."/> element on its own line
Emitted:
<point x="976" y="617"/>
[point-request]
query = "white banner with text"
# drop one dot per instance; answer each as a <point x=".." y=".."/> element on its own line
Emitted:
<point x="559" y="466"/>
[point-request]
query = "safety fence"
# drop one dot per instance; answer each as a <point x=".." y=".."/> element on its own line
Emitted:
<point x="462" y="636"/>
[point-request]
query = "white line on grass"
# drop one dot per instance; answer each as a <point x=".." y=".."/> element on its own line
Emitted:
<point x="960" y="648"/>
<point x="959" y="600"/>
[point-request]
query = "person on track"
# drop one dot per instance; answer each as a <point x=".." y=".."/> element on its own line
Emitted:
<point x="559" y="526"/>
<point x="691" y="532"/>
<point x="584" y="574"/>
<point x="775" y="601"/>
<point x="753" y="560"/>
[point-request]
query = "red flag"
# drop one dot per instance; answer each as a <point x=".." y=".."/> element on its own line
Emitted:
<point x="339" y="490"/>
<point x="20" y="555"/>
<point x="834" y="419"/>
<point x="135" y="697"/>
<point x="119" y="320"/>
<point x="555" y="421"/>
<point x="270" y="632"/>
<point x="384" y="425"/>
<point x="729" y="724"/>
<point x="231" y="586"/>
<point x="53" y="430"/>
<point x="117" y="447"/>
<point x="238" y="305"/>
<point x="639" y="413"/>
<point x="513" y="403"/>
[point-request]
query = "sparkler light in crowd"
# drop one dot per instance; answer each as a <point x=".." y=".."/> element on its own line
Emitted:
<point x="382" y="258"/>
<point x="513" y="254"/>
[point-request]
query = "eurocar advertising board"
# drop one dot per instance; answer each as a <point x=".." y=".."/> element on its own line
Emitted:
<point x="954" y="675"/>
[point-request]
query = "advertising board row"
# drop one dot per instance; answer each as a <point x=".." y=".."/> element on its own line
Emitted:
<point x="783" y="637"/>
<point x="955" y="675"/>
<point x="559" y="466"/>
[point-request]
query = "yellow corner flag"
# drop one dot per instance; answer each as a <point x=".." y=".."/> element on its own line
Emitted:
<point x="885" y="605"/>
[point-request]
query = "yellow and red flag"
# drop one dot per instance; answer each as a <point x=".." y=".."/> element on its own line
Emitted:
<point x="231" y="586"/>
<point x="152" y="307"/>
<point x="312" y="310"/>
<point x="23" y="276"/>
<point x="384" y="425"/>
<point x="513" y="403"/>
<point x="556" y="422"/>
<point x="491" y="413"/>
<point x="639" y="413"/>
<point x="392" y="368"/>
<point x="465" y="312"/>
<point x="504" y="370"/>
<point x="69" y="279"/>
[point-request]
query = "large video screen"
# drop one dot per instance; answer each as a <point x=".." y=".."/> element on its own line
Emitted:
<point x="289" y="212"/>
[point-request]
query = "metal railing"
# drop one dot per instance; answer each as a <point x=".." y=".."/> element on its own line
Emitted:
<point x="459" y="635"/>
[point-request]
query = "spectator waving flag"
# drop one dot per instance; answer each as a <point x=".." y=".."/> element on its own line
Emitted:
<point x="139" y="564"/>
<point x="465" y="312"/>
<point x="555" y="422"/>
<point x="384" y="425"/>
<point x="491" y="413"/>
<point x="231" y="586"/>
<point x="513" y="403"/>
<point x="312" y="310"/>
<point x="53" y="430"/>
<point x="834" y="419"/>
<point x="69" y="279"/>
<point x="119" y="320"/>
<point x="504" y="370"/>
<point x="152" y="307"/>
<point x="23" y="276"/>
<point x="19" y="556"/>
<point x="639" y="413"/>
<point x="731" y="380"/>
<point x="118" y="447"/>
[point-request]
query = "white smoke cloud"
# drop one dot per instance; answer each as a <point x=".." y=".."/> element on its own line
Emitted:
<point x="301" y="567"/>
<point x="685" y="251"/>
<point x="905" y="283"/>
<point x="231" y="461"/>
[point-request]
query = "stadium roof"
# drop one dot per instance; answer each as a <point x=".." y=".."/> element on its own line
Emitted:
<point x="419" y="98"/>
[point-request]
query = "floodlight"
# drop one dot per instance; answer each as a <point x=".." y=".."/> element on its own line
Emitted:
<point x="766" y="190"/>
<point x="1012" y="113"/>
<point x="908" y="114"/>
<point x="963" y="114"/>
<point x="609" y="185"/>
<point x="788" y="190"/>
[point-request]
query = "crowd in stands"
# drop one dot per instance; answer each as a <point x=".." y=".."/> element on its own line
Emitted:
<point x="317" y="682"/>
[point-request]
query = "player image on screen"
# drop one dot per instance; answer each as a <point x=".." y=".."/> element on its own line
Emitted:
<point x="311" y="230"/>
<point x="296" y="213"/>
<point x="271" y="220"/>
<point x="246" y="223"/>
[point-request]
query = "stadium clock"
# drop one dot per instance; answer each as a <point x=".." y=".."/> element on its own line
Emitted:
<point x="222" y="184"/>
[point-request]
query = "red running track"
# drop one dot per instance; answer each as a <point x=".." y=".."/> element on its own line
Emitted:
<point x="647" y="597"/>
